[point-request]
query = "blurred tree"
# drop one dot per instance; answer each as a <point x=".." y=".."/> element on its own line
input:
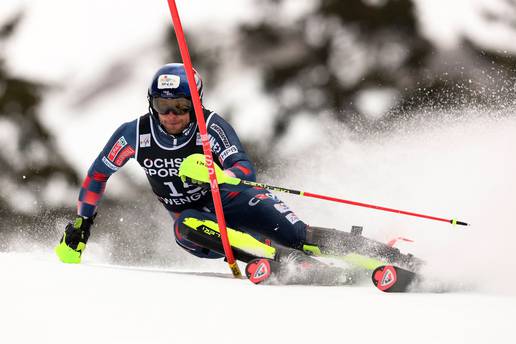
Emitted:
<point x="29" y="158"/>
<point x="329" y="59"/>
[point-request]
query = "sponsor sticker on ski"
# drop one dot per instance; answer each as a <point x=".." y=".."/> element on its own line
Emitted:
<point x="388" y="278"/>
<point x="261" y="271"/>
<point x="384" y="277"/>
<point x="258" y="270"/>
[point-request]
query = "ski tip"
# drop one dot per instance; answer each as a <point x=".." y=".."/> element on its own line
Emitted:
<point x="384" y="277"/>
<point x="390" y="278"/>
<point x="258" y="270"/>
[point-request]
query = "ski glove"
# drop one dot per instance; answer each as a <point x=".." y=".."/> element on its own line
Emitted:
<point x="193" y="169"/>
<point x="73" y="242"/>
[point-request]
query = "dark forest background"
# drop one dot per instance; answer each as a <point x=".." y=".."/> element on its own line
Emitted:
<point x="321" y="64"/>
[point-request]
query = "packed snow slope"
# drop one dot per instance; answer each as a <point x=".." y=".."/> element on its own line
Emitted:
<point x="456" y="167"/>
<point x="46" y="302"/>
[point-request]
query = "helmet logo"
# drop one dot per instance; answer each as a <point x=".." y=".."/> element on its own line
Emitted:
<point x="167" y="81"/>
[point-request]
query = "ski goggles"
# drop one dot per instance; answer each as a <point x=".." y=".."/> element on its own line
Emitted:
<point x="177" y="106"/>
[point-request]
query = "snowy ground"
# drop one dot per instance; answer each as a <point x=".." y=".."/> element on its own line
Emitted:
<point x="47" y="302"/>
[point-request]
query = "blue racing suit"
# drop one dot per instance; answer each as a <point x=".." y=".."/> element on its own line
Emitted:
<point x="252" y="210"/>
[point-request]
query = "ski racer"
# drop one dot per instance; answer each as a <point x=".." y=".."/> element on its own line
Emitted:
<point x="167" y="137"/>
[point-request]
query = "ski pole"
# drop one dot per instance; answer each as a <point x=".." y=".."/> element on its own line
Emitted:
<point x="185" y="55"/>
<point x="339" y="200"/>
<point x="190" y="168"/>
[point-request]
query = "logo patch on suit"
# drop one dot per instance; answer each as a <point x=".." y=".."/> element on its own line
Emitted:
<point x="227" y="152"/>
<point x="125" y="154"/>
<point x="145" y="140"/>
<point x="221" y="134"/>
<point x="109" y="164"/>
<point x="282" y="207"/>
<point x="292" y="218"/>
<point x="117" y="147"/>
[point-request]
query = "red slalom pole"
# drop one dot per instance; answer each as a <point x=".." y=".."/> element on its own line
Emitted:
<point x="185" y="55"/>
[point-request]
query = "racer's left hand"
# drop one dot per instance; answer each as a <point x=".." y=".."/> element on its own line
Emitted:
<point x="74" y="239"/>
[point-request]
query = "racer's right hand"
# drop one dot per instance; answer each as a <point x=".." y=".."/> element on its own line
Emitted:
<point x="73" y="242"/>
<point x="193" y="169"/>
